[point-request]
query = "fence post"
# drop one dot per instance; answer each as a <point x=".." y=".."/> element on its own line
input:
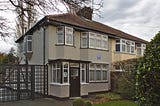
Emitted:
<point x="18" y="82"/>
<point x="32" y="82"/>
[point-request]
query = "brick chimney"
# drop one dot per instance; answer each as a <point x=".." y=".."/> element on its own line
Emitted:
<point x="85" y="12"/>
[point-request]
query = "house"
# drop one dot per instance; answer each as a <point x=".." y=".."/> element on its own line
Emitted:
<point x="78" y="52"/>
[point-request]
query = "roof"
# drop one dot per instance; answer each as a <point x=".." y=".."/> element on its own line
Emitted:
<point x="78" y="21"/>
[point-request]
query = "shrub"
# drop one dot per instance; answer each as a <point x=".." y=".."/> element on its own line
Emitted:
<point x="78" y="102"/>
<point x="126" y="80"/>
<point x="87" y="103"/>
<point x="148" y="75"/>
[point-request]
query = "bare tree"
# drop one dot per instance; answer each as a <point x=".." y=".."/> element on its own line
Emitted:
<point x="28" y="9"/>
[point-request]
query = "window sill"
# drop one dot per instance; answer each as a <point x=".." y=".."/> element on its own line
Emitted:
<point x="96" y="49"/>
<point x="124" y="53"/>
<point x="84" y="83"/>
<point x="105" y="81"/>
<point x="65" y="45"/>
<point x="59" y="84"/>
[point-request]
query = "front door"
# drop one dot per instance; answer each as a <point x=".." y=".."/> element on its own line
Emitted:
<point x="74" y="82"/>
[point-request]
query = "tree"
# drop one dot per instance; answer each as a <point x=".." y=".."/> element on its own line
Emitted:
<point x="26" y="9"/>
<point x="148" y="75"/>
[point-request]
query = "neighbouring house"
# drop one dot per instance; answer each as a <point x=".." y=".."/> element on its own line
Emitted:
<point x="78" y="52"/>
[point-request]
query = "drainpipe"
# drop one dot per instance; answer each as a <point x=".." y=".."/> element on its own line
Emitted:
<point x="44" y="41"/>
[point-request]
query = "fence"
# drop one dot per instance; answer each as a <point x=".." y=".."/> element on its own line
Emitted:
<point x="19" y="82"/>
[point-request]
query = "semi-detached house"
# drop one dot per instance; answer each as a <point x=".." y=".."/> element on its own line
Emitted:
<point x="78" y="52"/>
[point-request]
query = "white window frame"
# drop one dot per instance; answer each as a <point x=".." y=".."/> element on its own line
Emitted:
<point x="56" y="71"/>
<point x="83" y="69"/>
<point x="101" y="69"/>
<point x="68" y="34"/>
<point x="142" y="47"/>
<point x="60" y="33"/>
<point x="29" y="41"/>
<point x="127" y="44"/>
<point x="92" y="40"/>
<point x="84" y="35"/>
<point x="104" y="42"/>
<point x="67" y="72"/>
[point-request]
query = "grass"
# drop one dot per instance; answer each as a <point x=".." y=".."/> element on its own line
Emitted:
<point x="118" y="103"/>
<point x="110" y="95"/>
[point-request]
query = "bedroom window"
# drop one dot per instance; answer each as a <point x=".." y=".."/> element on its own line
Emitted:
<point x="65" y="35"/>
<point x="27" y="44"/>
<point x="96" y="40"/>
<point x="60" y="35"/>
<point x="68" y="36"/>
<point x="84" y="40"/>
<point x="125" y="46"/>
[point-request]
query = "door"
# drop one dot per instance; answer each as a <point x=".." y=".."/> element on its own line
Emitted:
<point x="74" y="82"/>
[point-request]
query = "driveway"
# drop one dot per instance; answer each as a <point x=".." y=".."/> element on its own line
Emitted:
<point x="38" y="102"/>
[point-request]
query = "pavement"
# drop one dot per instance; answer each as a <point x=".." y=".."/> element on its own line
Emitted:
<point x="38" y="102"/>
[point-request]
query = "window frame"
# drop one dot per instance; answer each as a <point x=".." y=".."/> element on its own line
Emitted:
<point x="86" y="37"/>
<point x="61" y="32"/>
<point x="69" y="33"/>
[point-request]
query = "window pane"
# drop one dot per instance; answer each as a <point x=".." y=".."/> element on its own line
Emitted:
<point x="60" y="38"/>
<point x="54" y="75"/>
<point x="123" y="48"/>
<point x="132" y="49"/>
<point x="91" y="75"/>
<point x="83" y="75"/>
<point x="29" y="46"/>
<point x="128" y="48"/>
<point x="104" y="77"/>
<point x="69" y="35"/>
<point x="65" y="75"/>
<point x="58" y="75"/>
<point x="98" y="75"/>
<point x="117" y="47"/>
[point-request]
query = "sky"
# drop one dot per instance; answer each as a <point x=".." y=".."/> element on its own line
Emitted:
<point x="140" y="18"/>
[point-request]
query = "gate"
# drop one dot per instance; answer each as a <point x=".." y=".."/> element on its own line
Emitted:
<point x="19" y="82"/>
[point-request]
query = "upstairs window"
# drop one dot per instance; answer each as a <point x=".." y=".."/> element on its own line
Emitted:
<point x="60" y="35"/>
<point x="27" y="44"/>
<point x="94" y="40"/>
<point x="65" y="33"/>
<point x="84" y="40"/>
<point x="140" y="49"/>
<point x="68" y="36"/>
<point x="125" y="46"/>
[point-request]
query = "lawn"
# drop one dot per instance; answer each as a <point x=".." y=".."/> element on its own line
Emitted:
<point x="118" y="103"/>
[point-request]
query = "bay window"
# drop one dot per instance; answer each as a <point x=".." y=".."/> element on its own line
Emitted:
<point x="98" y="72"/>
<point x="96" y="40"/>
<point x="125" y="46"/>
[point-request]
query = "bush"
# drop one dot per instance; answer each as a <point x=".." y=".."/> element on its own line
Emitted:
<point x="148" y="75"/>
<point x="126" y="80"/>
<point x="81" y="102"/>
<point x="87" y="103"/>
<point x="78" y="102"/>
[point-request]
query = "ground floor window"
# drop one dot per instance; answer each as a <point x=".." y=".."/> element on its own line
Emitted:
<point x="83" y="72"/>
<point x="56" y="72"/>
<point x="98" y="72"/>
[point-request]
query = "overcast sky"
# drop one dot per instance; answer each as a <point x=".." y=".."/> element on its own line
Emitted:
<point x="140" y="18"/>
